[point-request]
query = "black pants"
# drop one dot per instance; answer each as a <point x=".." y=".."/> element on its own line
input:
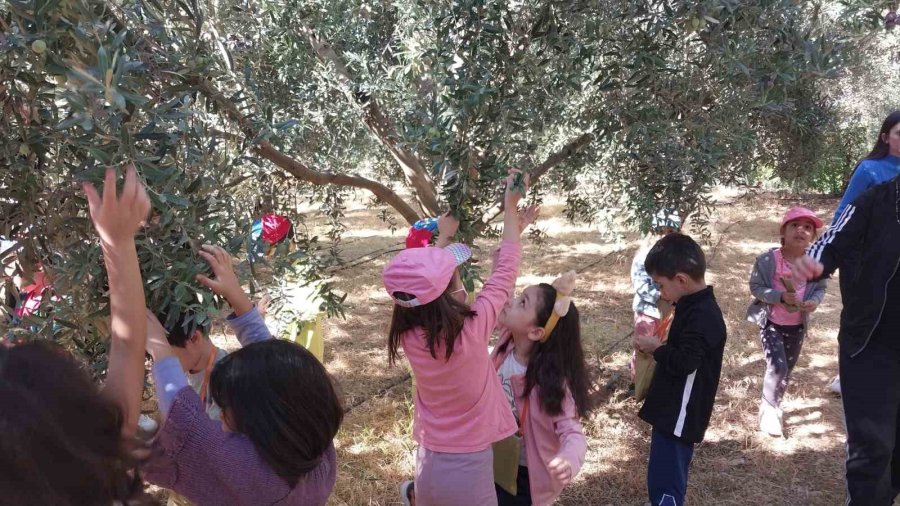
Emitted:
<point x="782" y="345"/>
<point x="523" y="491"/>
<point x="870" y="388"/>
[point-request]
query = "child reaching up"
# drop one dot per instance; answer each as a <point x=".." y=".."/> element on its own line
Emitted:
<point x="280" y="413"/>
<point x="781" y="308"/>
<point x="459" y="405"/>
<point x="683" y="389"/>
<point x="541" y="365"/>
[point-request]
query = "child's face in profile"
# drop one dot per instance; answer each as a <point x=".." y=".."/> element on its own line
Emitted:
<point x="457" y="289"/>
<point x="672" y="289"/>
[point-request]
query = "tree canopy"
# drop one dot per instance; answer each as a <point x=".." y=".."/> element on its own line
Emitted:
<point x="234" y="107"/>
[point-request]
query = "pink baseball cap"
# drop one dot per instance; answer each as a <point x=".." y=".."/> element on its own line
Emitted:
<point x="424" y="273"/>
<point x="801" y="213"/>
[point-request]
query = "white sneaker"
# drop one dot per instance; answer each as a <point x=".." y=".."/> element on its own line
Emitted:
<point x="836" y="385"/>
<point x="770" y="420"/>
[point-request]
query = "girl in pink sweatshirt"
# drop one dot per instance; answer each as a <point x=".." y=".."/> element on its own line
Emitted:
<point x="540" y="362"/>
<point x="459" y="407"/>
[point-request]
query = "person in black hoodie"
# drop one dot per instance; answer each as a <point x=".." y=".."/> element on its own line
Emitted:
<point x="683" y="389"/>
<point x="864" y="243"/>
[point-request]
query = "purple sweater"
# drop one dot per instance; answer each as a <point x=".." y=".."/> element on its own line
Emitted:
<point x="193" y="456"/>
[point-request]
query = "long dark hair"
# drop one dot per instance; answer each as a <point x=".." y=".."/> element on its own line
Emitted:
<point x="281" y="397"/>
<point x="881" y="148"/>
<point x="60" y="437"/>
<point x="442" y="319"/>
<point x="558" y="361"/>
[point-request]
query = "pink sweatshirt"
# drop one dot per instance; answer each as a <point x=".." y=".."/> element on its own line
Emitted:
<point x="546" y="437"/>
<point x="460" y="405"/>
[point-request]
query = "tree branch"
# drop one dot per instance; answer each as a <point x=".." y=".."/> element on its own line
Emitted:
<point x="572" y="147"/>
<point x="380" y="125"/>
<point x="296" y="168"/>
<point x="304" y="173"/>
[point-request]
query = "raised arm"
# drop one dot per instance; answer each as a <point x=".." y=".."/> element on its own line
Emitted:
<point x="117" y="219"/>
<point x="498" y="287"/>
<point x="860" y="181"/>
<point x="447" y="225"/>
<point x="248" y="325"/>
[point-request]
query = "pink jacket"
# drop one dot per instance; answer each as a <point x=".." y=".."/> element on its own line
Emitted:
<point x="546" y="437"/>
<point x="460" y="405"/>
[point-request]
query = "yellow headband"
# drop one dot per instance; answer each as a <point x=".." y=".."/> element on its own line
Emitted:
<point x="564" y="286"/>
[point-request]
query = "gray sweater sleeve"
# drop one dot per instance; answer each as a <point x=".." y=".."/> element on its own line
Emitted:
<point x="761" y="284"/>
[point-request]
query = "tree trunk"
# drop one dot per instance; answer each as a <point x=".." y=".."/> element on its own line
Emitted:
<point x="381" y="126"/>
<point x="304" y="173"/>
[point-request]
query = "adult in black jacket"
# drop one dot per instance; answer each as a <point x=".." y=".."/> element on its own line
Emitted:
<point x="866" y="236"/>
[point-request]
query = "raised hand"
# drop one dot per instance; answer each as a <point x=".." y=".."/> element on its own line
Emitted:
<point x="118" y="218"/>
<point x="528" y="216"/>
<point x="513" y="196"/>
<point x="225" y="283"/>
<point x="447" y="225"/>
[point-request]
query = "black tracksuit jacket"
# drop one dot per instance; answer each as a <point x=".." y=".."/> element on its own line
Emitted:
<point x="688" y="366"/>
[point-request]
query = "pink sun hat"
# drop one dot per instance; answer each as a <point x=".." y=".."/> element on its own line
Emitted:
<point x="801" y="213"/>
<point x="424" y="273"/>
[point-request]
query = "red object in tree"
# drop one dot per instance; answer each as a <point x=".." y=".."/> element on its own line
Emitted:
<point x="418" y="238"/>
<point x="275" y="228"/>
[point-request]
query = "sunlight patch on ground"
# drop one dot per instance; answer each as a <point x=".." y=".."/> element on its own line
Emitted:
<point x="822" y="360"/>
<point x="360" y="233"/>
<point x="749" y="247"/>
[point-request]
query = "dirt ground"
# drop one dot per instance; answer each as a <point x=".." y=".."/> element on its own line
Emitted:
<point x="736" y="465"/>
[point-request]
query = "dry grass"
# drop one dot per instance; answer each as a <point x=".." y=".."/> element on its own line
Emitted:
<point x="736" y="465"/>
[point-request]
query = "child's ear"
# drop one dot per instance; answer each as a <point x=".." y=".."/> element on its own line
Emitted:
<point x="196" y="336"/>
<point x="536" y="334"/>
<point x="683" y="279"/>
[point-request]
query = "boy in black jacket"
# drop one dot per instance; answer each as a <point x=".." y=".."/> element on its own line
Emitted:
<point x="680" y="400"/>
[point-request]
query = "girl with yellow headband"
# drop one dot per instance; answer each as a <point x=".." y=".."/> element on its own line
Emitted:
<point x="540" y="361"/>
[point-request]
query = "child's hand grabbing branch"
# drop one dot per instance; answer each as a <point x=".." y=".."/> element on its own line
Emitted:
<point x="225" y="284"/>
<point x="118" y="219"/>
<point x="447" y="225"/>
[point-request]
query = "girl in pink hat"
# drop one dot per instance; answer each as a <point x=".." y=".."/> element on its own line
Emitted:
<point x="781" y="308"/>
<point x="460" y="407"/>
